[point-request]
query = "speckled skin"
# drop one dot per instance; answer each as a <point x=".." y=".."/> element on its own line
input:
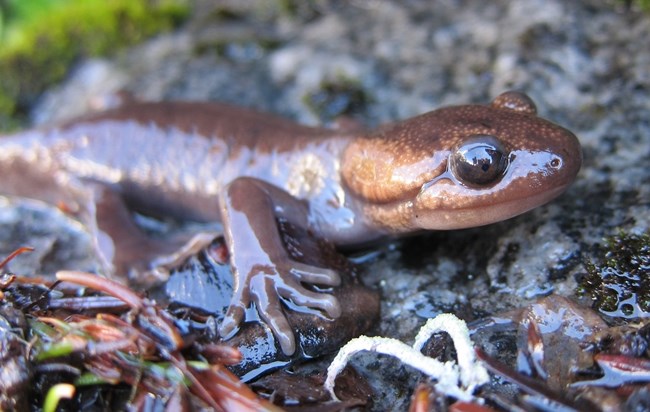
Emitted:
<point x="403" y="168"/>
<point x="213" y="162"/>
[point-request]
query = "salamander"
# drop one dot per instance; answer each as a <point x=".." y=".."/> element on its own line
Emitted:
<point x="455" y="167"/>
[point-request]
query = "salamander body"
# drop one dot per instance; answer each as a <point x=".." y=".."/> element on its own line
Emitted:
<point x="455" y="167"/>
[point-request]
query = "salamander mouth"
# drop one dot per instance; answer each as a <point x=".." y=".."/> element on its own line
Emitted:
<point x="448" y="218"/>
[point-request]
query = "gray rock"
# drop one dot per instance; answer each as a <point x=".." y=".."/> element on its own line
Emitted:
<point x="585" y="63"/>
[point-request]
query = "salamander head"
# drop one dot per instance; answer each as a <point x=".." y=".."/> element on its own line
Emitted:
<point x="462" y="166"/>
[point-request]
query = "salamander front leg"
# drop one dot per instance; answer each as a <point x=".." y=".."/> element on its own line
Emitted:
<point x="263" y="271"/>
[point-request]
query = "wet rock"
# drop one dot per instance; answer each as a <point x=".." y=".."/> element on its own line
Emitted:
<point x="304" y="387"/>
<point x="205" y="283"/>
<point x="551" y="337"/>
<point x="551" y="340"/>
<point x="15" y="373"/>
<point x="564" y="328"/>
<point x="58" y="240"/>
<point x="582" y="62"/>
<point x="626" y="340"/>
<point x="639" y="401"/>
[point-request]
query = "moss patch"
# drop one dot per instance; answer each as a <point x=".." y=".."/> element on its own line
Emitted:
<point x="42" y="38"/>
<point x="643" y="5"/>
<point x="619" y="283"/>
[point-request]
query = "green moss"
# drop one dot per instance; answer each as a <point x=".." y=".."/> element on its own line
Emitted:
<point x="42" y="40"/>
<point x="305" y="9"/>
<point x="643" y="5"/>
<point x="619" y="283"/>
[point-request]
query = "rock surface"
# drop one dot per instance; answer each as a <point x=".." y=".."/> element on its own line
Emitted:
<point x="585" y="64"/>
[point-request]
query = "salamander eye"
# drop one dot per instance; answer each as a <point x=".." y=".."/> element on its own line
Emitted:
<point x="478" y="161"/>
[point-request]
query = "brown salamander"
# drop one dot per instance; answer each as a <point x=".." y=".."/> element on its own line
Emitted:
<point x="451" y="168"/>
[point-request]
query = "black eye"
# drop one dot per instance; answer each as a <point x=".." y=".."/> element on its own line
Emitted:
<point x="478" y="161"/>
